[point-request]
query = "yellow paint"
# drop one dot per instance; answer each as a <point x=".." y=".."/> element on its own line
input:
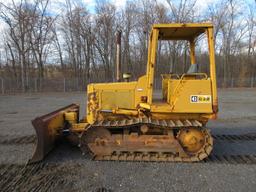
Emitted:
<point x="151" y="63"/>
<point x="110" y="99"/>
<point x="71" y="117"/>
<point x="140" y="90"/>
<point x="128" y="112"/>
<point x="212" y="66"/>
<point x="183" y="25"/>
<point x="176" y="116"/>
<point x="165" y="79"/>
<point x="79" y="127"/>
<point x="145" y="106"/>
<point x="129" y="98"/>
<point x="181" y="99"/>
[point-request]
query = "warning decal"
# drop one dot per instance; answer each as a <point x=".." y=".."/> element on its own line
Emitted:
<point x="200" y="99"/>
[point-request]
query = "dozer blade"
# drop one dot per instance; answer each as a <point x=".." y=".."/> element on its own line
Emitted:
<point x="48" y="129"/>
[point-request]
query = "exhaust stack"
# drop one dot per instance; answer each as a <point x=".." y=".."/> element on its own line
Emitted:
<point x="118" y="55"/>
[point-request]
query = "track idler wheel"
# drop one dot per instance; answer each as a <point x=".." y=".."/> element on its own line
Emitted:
<point x="192" y="140"/>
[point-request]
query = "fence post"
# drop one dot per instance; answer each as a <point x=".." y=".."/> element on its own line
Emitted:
<point x="252" y="79"/>
<point x="64" y="85"/>
<point x="35" y="84"/>
<point x="232" y="82"/>
<point x="2" y="85"/>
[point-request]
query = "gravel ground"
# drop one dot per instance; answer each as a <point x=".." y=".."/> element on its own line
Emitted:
<point x="80" y="173"/>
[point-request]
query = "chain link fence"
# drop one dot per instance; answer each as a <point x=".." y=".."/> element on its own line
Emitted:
<point x="222" y="83"/>
<point x="11" y="86"/>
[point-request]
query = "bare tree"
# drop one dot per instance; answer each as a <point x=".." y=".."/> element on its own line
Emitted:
<point x="82" y="42"/>
<point x="41" y="36"/>
<point x="18" y="17"/>
<point x="105" y="28"/>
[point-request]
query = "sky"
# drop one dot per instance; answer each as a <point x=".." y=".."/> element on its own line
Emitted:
<point x="121" y="3"/>
<point x="56" y="4"/>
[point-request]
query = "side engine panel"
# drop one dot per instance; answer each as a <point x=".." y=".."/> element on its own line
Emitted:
<point x="112" y="99"/>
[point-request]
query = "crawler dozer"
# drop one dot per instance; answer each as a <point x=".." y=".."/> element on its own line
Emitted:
<point x="124" y="122"/>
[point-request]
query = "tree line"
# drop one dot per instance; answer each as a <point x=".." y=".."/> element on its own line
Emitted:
<point x="79" y="43"/>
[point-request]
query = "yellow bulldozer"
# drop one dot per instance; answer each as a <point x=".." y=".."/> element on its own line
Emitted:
<point x="125" y="122"/>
